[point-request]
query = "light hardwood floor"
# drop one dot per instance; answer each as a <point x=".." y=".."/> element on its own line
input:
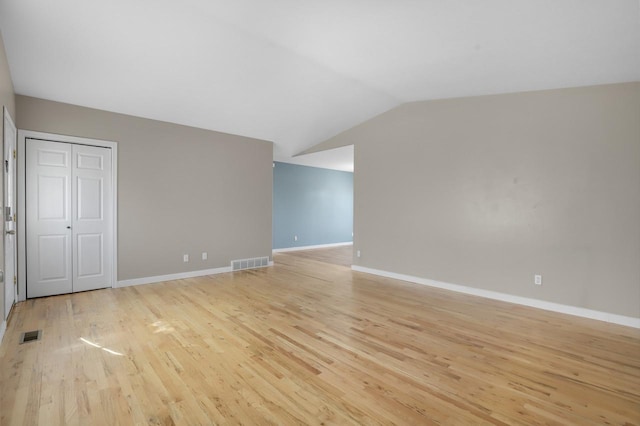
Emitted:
<point x="309" y="342"/>
<point x="342" y="255"/>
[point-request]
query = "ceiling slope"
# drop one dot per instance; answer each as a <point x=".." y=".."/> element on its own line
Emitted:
<point x="297" y="72"/>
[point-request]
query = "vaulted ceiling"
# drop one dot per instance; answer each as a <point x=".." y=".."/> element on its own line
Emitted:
<point x="297" y="72"/>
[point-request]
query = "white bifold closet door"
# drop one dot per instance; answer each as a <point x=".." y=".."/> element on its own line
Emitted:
<point x="69" y="219"/>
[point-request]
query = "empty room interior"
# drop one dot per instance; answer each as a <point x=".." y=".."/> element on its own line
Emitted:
<point x="338" y="212"/>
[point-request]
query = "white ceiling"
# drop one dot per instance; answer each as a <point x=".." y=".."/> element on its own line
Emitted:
<point x="297" y="72"/>
<point x="337" y="158"/>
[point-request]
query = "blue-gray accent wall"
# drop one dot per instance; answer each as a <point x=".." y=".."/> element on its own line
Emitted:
<point x="313" y="203"/>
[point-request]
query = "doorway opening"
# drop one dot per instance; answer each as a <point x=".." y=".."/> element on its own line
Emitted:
<point x="67" y="214"/>
<point x="313" y="206"/>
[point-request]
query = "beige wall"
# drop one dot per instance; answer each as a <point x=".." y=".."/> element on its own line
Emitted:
<point x="180" y="189"/>
<point x="7" y="99"/>
<point x="488" y="191"/>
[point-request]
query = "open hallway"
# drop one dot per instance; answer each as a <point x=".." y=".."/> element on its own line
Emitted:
<point x="308" y="342"/>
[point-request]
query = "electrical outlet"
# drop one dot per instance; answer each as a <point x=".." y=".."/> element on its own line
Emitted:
<point x="185" y="258"/>
<point x="295" y="238"/>
<point x="204" y="255"/>
<point x="358" y="253"/>
<point x="537" y="279"/>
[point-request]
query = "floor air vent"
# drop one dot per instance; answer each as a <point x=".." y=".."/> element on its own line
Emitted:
<point x="256" y="262"/>
<point x="30" y="336"/>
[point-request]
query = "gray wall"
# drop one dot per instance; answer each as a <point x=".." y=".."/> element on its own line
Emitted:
<point x="7" y="96"/>
<point x="7" y="99"/>
<point x="180" y="189"/>
<point x="314" y="204"/>
<point x="488" y="191"/>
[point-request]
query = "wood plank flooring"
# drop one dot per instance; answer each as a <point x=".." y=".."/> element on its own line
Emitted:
<point x="309" y="342"/>
<point x="342" y="255"/>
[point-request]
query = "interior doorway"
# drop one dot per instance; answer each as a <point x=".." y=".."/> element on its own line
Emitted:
<point x="67" y="214"/>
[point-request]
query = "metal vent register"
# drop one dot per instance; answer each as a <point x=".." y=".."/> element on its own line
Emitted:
<point x="256" y="262"/>
<point x="30" y="336"/>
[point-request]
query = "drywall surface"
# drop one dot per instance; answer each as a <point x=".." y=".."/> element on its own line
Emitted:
<point x="181" y="190"/>
<point x="488" y="191"/>
<point x="7" y="96"/>
<point x="313" y="204"/>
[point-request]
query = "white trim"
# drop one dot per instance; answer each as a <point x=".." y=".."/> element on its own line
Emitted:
<point x="283" y="250"/>
<point x="3" y="328"/>
<point x="9" y="282"/>
<point x="178" y="276"/>
<point x="171" y="277"/>
<point x="526" y="301"/>
<point x="23" y="135"/>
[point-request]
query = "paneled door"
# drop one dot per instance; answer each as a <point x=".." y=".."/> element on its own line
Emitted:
<point x="91" y="210"/>
<point x="69" y="222"/>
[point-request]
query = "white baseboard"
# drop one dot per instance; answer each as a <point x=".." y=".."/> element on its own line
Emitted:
<point x="283" y="250"/>
<point x="171" y="277"/>
<point x="178" y="276"/>
<point x="535" y="303"/>
<point x="3" y="328"/>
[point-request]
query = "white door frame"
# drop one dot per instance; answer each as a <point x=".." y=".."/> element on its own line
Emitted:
<point x="23" y="135"/>
<point x="8" y="279"/>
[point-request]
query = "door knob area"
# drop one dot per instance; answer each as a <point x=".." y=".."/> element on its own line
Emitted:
<point x="11" y="232"/>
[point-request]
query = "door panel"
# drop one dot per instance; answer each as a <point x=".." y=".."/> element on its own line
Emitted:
<point x="92" y="218"/>
<point x="48" y="218"/>
<point x="53" y="158"/>
<point x="90" y="162"/>
<point x="90" y="197"/>
<point x="53" y="197"/>
<point x="90" y="258"/>
<point x="52" y="253"/>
